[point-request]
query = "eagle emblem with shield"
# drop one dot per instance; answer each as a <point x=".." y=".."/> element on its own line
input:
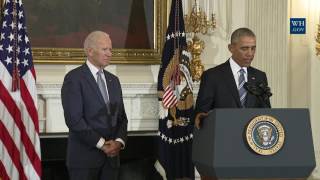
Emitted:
<point x="265" y="135"/>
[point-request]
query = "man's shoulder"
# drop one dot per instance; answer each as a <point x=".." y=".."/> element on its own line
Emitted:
<point x="78" y="69"/>
<point x="111" y="75"/>
<point x="217" y="69"/>
<point x="255" y="70"/>
<point x="75" y="73"/>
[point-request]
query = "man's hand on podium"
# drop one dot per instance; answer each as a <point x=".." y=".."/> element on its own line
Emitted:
<point x="199" y="117"/>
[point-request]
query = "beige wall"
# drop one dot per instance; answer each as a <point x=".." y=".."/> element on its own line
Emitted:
<point x="305" y="68"/>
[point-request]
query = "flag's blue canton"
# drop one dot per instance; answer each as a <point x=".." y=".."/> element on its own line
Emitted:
<point x="175" y="141"/>
<point x="14" y="37"/>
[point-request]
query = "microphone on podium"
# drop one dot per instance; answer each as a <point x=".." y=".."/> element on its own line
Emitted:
<point x="260" y="90"/>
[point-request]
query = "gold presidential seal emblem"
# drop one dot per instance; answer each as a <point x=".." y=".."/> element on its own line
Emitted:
<point x="265" y="135"/>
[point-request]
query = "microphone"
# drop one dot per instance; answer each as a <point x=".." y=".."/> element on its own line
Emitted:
<point x="266" y="91"/>
<point x="253" y="89"/>
<point x="260" y="90"/>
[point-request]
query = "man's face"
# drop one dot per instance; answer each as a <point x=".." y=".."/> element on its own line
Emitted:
<point x="243" y="50"/>
<point x="100" y="54"/>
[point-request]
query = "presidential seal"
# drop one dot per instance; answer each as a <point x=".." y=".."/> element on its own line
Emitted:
<point x="265" y="135"/>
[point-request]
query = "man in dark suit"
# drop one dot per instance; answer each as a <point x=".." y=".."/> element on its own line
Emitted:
<point x="94" y="113"/>
<point x="224" y="85"/>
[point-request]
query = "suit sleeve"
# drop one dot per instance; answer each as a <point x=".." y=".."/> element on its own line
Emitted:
<point x="265" y="80"/>
<point x="121" y="119"/>
<point x="205" y="97"/>
<point x="72" y="102"/>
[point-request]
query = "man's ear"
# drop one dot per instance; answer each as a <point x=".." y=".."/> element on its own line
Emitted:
<point x="230" y="47"/>
<point x="89" y="51"/>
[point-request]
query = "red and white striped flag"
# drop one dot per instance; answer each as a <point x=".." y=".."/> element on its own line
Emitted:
<point x="169" y="98"/>
<point x="19" y="126"/>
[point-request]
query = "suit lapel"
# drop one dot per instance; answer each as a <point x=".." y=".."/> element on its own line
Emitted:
<point x="112" y="99"/>
<point x="231" y="83"/>
<point x="92" y="82"/>
<point x="109" y="86"/>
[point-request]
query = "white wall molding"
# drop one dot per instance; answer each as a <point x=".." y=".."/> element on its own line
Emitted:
<point x="140" y="100"/>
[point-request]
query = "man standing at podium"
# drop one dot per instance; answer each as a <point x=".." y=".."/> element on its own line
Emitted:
<point x="233" y="84"/>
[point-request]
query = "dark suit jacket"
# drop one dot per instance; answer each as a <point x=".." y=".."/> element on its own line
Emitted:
<point x="87" y="117"/>
<point x="218" y="89"/>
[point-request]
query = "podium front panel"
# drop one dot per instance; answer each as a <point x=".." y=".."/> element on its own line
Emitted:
<point x="220" y="148"/>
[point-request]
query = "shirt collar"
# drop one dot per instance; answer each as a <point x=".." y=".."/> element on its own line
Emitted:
<point x="92" y="68"/>
<point x="235" y="67"/>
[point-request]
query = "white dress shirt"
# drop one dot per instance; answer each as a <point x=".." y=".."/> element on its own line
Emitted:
<point x="236" y="71"/>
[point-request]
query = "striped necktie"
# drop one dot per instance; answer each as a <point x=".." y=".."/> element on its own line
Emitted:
<point x="241" y="89"/>
<point x="103" y="89"/>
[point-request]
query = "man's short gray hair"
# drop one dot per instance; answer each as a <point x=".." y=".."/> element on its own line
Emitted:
<point x="92" y="39"/>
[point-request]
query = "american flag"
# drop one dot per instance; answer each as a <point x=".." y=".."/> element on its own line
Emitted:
<point x="19" y="136"/>
<point x="169" y="98"/>
<point x="175" y="101"/>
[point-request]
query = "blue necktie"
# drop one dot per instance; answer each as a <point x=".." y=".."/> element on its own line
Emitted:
<point x="241" y="89"/>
